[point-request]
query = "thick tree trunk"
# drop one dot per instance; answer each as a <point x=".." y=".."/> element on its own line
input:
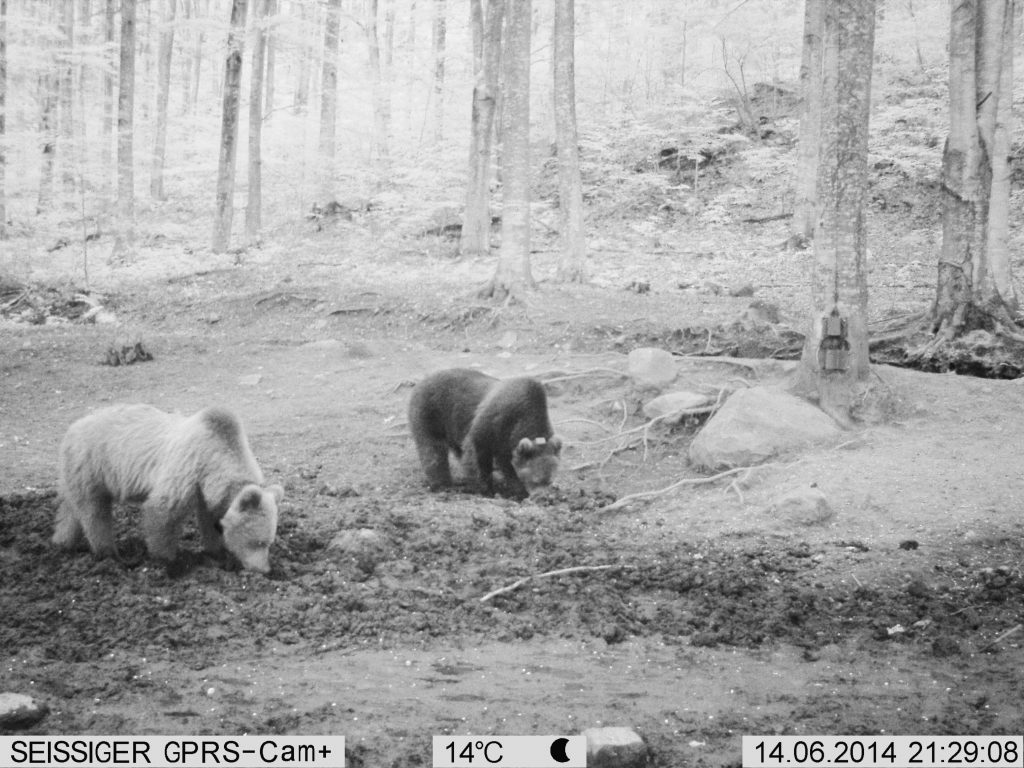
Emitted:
<point x="835" y="357"/>
<point x="487" y="44"/>
<point x="229" y="129"/>
<point x="197" y="65"/>
<point x="804" y="213"/>
<point x="329" y="101"/>
<point x="570" y="186"/>
<point x="440" y="27"/>
<point x="125" y="236"/>
<point x="163" y="92"/>
<point x="253" y="208"/>
<point x="999" y="204"/>
<point x="513" y="275"/>
<point x="973" y="265"/>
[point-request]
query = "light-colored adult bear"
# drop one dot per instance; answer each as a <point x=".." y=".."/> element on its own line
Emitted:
<point x="177" y="466"/>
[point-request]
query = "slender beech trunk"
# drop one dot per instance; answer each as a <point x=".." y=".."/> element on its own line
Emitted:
<point x="229" y="129"/>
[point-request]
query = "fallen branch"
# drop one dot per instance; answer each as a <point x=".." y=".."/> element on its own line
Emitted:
<point x="1002" y="637"/>
<point x="679" y="484"/>
<point x="582" y="374"/>
<point x="559" y="572"/>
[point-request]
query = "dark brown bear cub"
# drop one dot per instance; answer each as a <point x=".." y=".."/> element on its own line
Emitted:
<point x="490" y="421"/>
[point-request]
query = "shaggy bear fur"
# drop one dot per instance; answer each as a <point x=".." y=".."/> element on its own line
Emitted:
<point x="490" y="421"/>
<point x="177" y="466"/>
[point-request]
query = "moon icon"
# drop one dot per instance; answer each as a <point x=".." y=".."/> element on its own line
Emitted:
<point x="558" y="750"/>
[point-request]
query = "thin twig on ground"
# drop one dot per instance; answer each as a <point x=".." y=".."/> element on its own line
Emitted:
<point x="1003" y="636"/>
<point x="581" y="375"/>
<point x="559" y="572"/>
<point x="679" y="484"/>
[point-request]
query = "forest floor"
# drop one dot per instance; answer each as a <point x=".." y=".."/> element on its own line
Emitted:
<point x="900" y="615"/>
<point x="717" y="620"/>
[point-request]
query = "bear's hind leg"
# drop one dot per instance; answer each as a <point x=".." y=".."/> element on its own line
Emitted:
<point x="434" y="459"/>
<point x="97" y="524"/>
<point x="67" y="531"/>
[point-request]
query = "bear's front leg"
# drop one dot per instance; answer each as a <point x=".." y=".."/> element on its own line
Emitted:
<point x="162" y="523"/>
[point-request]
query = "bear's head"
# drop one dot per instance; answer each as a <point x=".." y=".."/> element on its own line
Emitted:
<point x="250" y="524"/>
<point x="536" y="461"/>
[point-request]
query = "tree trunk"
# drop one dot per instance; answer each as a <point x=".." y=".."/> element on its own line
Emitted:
<point x="47" y="112"/>
<point x="269" y="42"/>
<point x="255" y="178"/>
<point x="3" y="119"/>
<point x="66" y="78"/>
<point x="106" y="152"/>
<point x="125" y="236"/>
<point x="975" y="287"/>
<point x="197" y="65"/>
<point x="329" y="101"/>
<point x="163" y="92"/>
<point x="570" y="186"/>
<point x="381" y="113"/>
<point x="301" y="98"/>
<point x="439" y="54"/>
<point x="835" y="356"/>
<point x="513" y="275"/>
<point x="804" y="213"/>
<point x="476" y="225"/>
<point x="229" y="129"/>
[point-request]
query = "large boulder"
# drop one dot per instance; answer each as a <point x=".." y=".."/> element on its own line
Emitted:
<point x="756" y="424"/>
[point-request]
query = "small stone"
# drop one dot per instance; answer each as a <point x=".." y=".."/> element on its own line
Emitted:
<point x="251" y="380"/>
<point x="19" y="711"/>
<point x="651" y="367"/>
<point x="322" y="344"/>
<point x="803" y="506"/>
<point x="615" y="747"/>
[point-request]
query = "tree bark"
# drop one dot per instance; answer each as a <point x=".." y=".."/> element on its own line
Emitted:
<point x="804" y="213"/>
<point x="513" y="275"/>
<point x="66" y="74"/>
<point x="487" y="44"/>
<point x="301" y="98"/>
<point x="440" y="27"/>
<point x="197" y="65"/>
<point x="975" y="287"/>
<point x="570" y="185"/>
<point x="47" y="112"/>
<point x="836" y="365"/>
<point x="229" y="129"/>
<point x="381" y="112"/>
<point x="3" y="119"/>
<point x="329" y="101"/>
<point x="163" y="92"/>
<point x="106" y="151"/>
<point x="270" y="43"/>
<point x="125" y="236"/>
<point x="253" y="216"/>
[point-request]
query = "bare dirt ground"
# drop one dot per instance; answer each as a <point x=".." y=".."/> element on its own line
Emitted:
<point x="716" y="620"/>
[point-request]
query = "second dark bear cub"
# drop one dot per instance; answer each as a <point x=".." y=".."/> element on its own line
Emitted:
<point x="493" y="422"/>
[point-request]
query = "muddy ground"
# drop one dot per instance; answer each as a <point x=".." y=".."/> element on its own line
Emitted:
<point x="710" y="618"/>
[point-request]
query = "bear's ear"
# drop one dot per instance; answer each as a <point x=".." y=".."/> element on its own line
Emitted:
<point x="556" y="444"/>
<point x="276" y="491"/>
<point x="250" y="498"/>
<point x="525" y="448"/>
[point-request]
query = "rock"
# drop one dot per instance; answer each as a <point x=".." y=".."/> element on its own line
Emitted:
<point x="367" y="547"/>
<point x="251" y="380"/>
<point x="743" y="289"/>
<point x="803" y="506"/>
<point x="671" y="402"/>
<point x="760" y="313"/>
<point x="651" y="367"/>
<point x="20" y="711"/>
<point x="756" y="424"/>
<point x="615" y="747"/>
